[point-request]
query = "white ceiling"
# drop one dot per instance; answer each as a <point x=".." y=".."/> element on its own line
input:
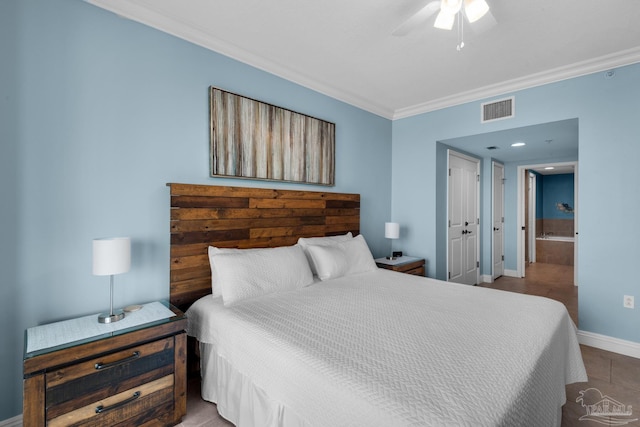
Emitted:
<point x="345" y="49"/>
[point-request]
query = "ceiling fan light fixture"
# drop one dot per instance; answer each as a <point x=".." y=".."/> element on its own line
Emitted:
<point x="450" y="7"/>
<point x="475" y="9"/>
<point x="448" y="11"/>
<point x="444" y="20"/>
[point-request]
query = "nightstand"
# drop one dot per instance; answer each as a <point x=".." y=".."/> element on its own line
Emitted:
<point x="403" y="264"/>
<point x="127" y="373"/>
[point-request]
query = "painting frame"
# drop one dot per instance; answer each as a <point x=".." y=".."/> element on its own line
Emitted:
<point x="251" y="139"/>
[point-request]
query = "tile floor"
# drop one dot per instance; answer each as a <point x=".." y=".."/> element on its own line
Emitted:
<point x="613" y="375"/>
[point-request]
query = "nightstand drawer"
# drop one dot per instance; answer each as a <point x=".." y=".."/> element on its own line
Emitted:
<point x="130" y="406"/>
<point x="108" y="378"/>
<point x="416" y="271"/>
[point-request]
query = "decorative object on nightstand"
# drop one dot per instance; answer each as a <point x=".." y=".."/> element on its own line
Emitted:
<point x="111" y="256"/>
<point x="391" y="231"/>
<point x="403" y="264"/>
<point x="129" y="373"/>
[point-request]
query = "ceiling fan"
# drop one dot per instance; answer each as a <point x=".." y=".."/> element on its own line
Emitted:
<point x="473" y="10"/>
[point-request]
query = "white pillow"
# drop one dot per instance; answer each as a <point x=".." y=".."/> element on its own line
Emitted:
<point x="305" y="242"/>
<point x="248" y="274"/>
<point x="342" y="259"/>
<point x="215" y="287"/>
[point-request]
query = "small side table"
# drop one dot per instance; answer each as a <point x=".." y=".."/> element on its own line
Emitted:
<point x="403" y="264"/>
<point x="127" y="373"/>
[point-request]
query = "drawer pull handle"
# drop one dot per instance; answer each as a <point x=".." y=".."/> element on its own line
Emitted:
<point x="101" y="409"/>
<point x="101" y="365"/>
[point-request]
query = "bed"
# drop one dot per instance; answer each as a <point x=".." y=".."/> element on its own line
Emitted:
<point x="308" y="332"/>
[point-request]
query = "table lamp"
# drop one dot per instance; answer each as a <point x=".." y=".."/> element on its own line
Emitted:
<point x="391" y="231"/>
<point x="111" y="256"/>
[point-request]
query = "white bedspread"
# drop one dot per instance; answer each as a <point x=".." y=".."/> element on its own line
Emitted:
<point x="389" y="349"/>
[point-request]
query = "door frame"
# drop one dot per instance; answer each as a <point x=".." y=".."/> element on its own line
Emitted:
<point x="533" y="189"/>
<point x="477" y="161"/>
<point x="520" y="216"/>
<point x="493" y="197"/>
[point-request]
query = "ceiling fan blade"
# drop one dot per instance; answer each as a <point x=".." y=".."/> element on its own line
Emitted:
<point x="484" y="24"/>
<point x="418" y="18"/>
<point x="444" y="20"/>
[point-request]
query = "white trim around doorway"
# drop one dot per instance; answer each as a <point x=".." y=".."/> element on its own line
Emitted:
<point x="520" y="241"/>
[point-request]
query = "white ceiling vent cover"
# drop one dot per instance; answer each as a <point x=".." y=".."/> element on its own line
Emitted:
<point x="498" y="110"/>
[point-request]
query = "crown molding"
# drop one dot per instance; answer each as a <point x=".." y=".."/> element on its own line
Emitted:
<point x="155" y="18"/>
<point x="603" y="63"/>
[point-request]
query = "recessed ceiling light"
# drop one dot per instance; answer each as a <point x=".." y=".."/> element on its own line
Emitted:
<point x="518" y="144"/>
<point x="548" y="168"/>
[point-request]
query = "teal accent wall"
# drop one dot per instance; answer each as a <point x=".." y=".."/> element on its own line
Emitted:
<point x="606" y="110"/>
<point x="539" y="199"/>
<point x="97" y="114"/>
<point x="557" y="189"/>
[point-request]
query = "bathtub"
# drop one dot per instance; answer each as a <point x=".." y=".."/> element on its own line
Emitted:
<point x="557" y="238"/>
<point x="555" y="249"/>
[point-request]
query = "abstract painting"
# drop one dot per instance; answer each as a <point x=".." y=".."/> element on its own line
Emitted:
<point x="255" y="140"/>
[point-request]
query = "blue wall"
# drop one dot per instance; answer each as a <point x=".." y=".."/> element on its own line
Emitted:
<point x="97" y="113"/>
<point x="557" y="189"/>
<point x="607" y="113"/>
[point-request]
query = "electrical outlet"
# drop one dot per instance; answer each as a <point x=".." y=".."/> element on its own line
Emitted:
<point x="628" y="301"/>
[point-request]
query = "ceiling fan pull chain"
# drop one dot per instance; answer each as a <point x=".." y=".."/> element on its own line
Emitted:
<point x="460" y="33"/>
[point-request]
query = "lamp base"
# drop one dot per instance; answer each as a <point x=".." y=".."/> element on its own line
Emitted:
<point x="110" y="318"/>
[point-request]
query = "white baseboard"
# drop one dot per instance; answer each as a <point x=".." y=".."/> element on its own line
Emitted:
<point x="604" y="342"/>
<point x="511" y="273"/>
<point x="486" y="278"/>
<point x="12" y="422"/>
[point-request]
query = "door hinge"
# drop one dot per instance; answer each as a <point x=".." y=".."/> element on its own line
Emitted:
<point x="449" y="171"/>
<point x="477" y="263"/>
<point x="478" y="178"/>
<point x="449" y="223"/>
<point x="502" y="257"/>
<point x="502" y="219"/>
<point x="449" y="275"/>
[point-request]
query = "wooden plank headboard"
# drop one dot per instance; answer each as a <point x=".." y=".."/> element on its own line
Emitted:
<point x="242" y="217"/>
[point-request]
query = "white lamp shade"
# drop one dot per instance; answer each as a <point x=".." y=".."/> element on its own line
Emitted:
<point x="391" y="230"/>
<point x="111" y="255"/>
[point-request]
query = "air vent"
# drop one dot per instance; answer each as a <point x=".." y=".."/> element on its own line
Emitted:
<point x="498" y="110"/>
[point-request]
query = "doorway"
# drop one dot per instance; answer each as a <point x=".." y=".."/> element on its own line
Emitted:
<point x="547" y="141"/>
<point x="531" y="233"/>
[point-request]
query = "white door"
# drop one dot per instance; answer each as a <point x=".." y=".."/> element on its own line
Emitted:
<point x="463" y="238"/>
<point x="498" y="221"/>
